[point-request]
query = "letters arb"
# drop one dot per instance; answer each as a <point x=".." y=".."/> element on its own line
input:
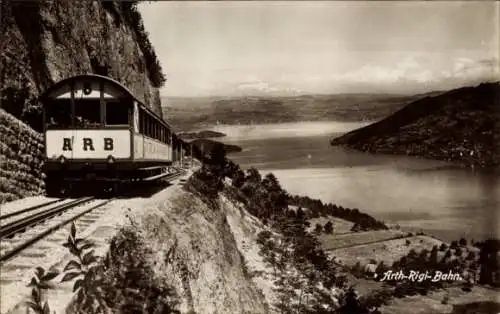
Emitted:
<point x="87" y="144"/>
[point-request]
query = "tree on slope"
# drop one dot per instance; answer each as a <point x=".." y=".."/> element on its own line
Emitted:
<point x="488" y="260"/>
<point x="218" y="156"/>
<point x="352" y="304"/>
<point x="328" y="227"/>
<point x="318" y="229"/>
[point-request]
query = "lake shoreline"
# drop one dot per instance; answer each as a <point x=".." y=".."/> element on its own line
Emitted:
<point x="453" y="163"/>
<point x="443" y="228"/>
<point x="449" y="200"/>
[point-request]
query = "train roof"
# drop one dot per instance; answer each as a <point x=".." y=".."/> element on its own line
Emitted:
<point x="86" y="77"/>
<point x="96" y="77"/>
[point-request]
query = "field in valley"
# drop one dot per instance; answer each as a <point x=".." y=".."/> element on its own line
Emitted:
<point x="350" y="247"/>
<point x="387" y="251"/>
<point x="340" y="226"/>
<point x="432" y="303"/>
<point x="348" y="240"/>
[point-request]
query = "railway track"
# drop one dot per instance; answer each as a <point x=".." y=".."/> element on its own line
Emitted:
<point x="29" y="209"/>
<point x="19" y="230"/>
<point x="31" y="227"/>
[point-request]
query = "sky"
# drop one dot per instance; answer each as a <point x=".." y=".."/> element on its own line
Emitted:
<point x="326" y="47"/>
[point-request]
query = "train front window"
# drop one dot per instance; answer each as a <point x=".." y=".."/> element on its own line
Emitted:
<point x="117" y="113"/>
<point x="58" y="114"/>
<point x="87" y="113"/>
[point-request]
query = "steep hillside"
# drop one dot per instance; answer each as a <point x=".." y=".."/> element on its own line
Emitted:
<point x="462" y="125"/>
<point x="207" y="268"/>
<point x="43" y="42"/>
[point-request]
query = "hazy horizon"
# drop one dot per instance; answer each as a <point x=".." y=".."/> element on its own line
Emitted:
<point x="220" y="49"/>
<point x="256" y="95"/>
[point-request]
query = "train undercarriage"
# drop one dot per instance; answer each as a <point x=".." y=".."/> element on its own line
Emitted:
<point x="104" y="178"/>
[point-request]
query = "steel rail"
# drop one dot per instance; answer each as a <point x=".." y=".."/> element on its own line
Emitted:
<point x="23" y="223"/>
<point x="32" y="208"/>
<point x="19" y="248"/>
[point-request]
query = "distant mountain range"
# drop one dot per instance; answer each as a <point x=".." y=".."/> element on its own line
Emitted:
<point x="461" y="125"/>
<point x="195" y="113"/>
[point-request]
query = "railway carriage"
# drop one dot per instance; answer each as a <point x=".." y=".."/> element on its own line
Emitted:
<point x="97" y="130"/>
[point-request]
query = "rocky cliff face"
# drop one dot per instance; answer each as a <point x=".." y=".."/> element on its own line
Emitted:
<point x="43" y="42"/>
<point x="196" y="251"/>
<point x="461" y="126"/>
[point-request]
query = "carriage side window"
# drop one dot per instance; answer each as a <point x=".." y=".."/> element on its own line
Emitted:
<point x="149" y="126"/>
<point x="87" y="113"/>
<point x="155" y="129"/>
<point x="144" y="123"/>
<point x="117" y="113"/>
<point x="152" y="128"/>
<point x="58" y="114"/>
<point x="141" y="121"/>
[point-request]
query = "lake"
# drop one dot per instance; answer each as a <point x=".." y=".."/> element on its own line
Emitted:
<point x="418" y="194"/>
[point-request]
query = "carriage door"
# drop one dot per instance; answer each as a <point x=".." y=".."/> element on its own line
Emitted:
<point x="88" y="119"/>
